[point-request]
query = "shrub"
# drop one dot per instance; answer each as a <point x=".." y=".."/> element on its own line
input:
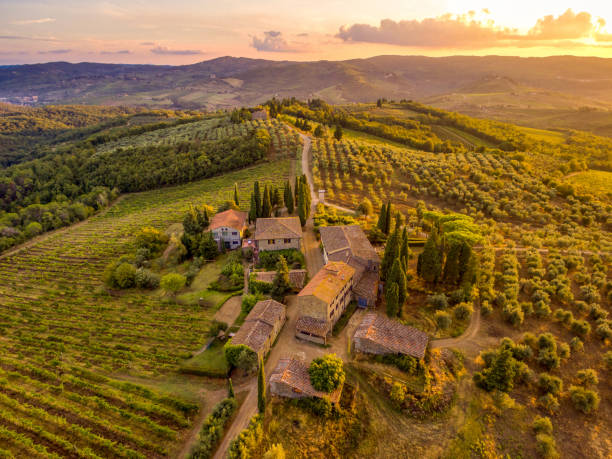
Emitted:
<point x="276" y="451"/>
<point x="438" y="301"/>
<point x="596" y="312"/>
<point x="240" y="356"/>
<point x="405" y="363"/>
<point x="443" y="319"/>
<point x="212" y="429"/>
<point x="172" y="282"/>
<point x="549" y="402"/>
<point x="146" y="279"/>
<point x="608" y="360"/>
<point x="584" y="400"/>
<point x="124" y="276"/>
<point x="542" y="425"/>
<point x="318" y="406"/>
<point x="249" y="301"/>
<point x="564" y="351"/>
<point x="268" y="260"/>
<point x="152" y="240"/>
<point x="326" y="373"/>
<point x="243" y="446"/>
<point x="550" y="384"/>
<point x="604" y="331"/>
<point x="513" y="314"/>
<point x="576" y="344"/>
<point x="587" y="377"/>
<point x="463" y="311"/>
<point x="500" y="373"/>
<point x="545" y="445"/>
<point x="398" y="393"/>
<point x="33" y="229"/>
<point x="580" y="327"/>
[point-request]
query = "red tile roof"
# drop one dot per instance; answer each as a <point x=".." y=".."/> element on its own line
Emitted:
<point x="392" y="335"/>
<point x="297" y="277"/>
<point x="231" y="218"/>
<point x="329" y="281"/>
<point x="316" y="327"/>
<point x="259" y="324"/>
<point x="294" y="373"/>
<point x="278" y="228"/>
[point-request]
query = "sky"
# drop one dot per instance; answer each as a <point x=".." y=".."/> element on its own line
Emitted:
<point x="186" y="31"/>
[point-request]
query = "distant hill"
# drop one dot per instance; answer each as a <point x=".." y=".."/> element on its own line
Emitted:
<point x="475" y="85"/>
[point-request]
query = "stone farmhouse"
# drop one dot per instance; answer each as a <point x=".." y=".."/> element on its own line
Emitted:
<point x="290" y="379"/>
<point x="278" y="233"/>
<point x="297" y="277"/>
<point x="377" y="334"/>
<point x="228" y="228"/>
<point x="349" y="244"/>
<point x="261" y="327"/>
<point x="323" y="300"/>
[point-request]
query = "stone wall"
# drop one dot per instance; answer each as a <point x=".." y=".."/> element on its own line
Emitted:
<point x="279" y="244"/>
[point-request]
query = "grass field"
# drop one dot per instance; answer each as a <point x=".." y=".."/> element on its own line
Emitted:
<point x="553" y="137"/>
<point x="596" y="182"/>
<point x="64" y="337"/>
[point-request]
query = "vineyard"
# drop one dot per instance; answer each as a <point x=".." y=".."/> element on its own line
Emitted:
<point x="492" y="188"/>
<point x="284" y="140"/>
<point x="64" y="336"/>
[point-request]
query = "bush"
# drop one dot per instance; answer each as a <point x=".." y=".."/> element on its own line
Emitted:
<point x="268" y="260"/>
<point x="151" y="239"/>
<point x="580" y="327"/>
<point x="249" y="302"/>
<point x="240" y="356"/>
<point x="443" y="320"/>
<point x="405" y="363"/>
<point x="33" y="229"/>
<point x="318" y="406"/>
<point x="326" y="373"/>
<point x="123" y="276"/>
<point x="542" y="425"/>
<point x="172" y="282"/>
<point x="549" y="402"/>
<point x="545" y="445"/>
<point x="212" y="429"/>
<point x="550" y="384"/>
<point x="608" y="360"/>
<point x="463" y="311"/>
<point x="604" y="331"/>
<point x="576" y="344"/>
<point x="243" y="446"/>
<point x="513" y="314"/>
<point x="438" y="301"/>
<point x="584" y="400"/>
<point x="587" y="377"/>
<point x="146" y="279"/>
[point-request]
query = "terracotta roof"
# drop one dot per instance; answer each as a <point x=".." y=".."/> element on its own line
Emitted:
<point x="295" y="374"/>
<point x="327" y="283"/>
<point x="231" y="218"/>
<point x="297" y="277"/>
<point x="259" y="324"/>
<point x="347" y="241"/>
<point x="268" y="311"/>
<point x="277" y="228"/>
<point x="388" y="333"/>
<point x="367" y="287"/>
<point x="317" y="327"/>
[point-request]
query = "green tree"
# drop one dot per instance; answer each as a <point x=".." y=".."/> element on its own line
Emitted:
<point x="382" y="218"/>
<point x="338" y="133"/>
<point x="230" y="388"/>
<point x="208" y="247"/>
<point x="390" y="255"/>
<point x="257" y="193"/>
<point x="253" y="209"/>
<point x="124" y="276"/>
<point x="276" y="451"/>
<point x="392" y="299"/>
<point x="388" y="218"/>
<point x="405" y="253"/>
<point x="429" y="264"/>
<point x="318" y="132"/>
<point x="366" y="207"/>
<point x="397" y="276"/>
<point x="276" y="197"/>
<point x="261" y="388"/>
<point x="326" y="373"/>
<point x="236" y="198"/>
<point x="266" y="208"/>
<point x="280" y="284"/>
<point x="172" y="283"/>
<point x="304" y="202"/>
<point x="500" y="374"/>
<point x="288" y="198"/>
<point x="33" y="229"/>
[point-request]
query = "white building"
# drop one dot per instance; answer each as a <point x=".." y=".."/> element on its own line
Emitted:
<point x="228" y="228"/>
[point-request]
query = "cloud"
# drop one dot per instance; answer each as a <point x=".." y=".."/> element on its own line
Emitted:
<point x="21" y="37"/>
<point x="34" y="21"/>
<point x="464" y="31"/>
<point x="177" y="52"/>
<point x="147" y="43"/>
<point x="123" y="51"/>
<point x="272" y="42"/>
<point x="567" y="26"/>
<point x="55" y="51"/>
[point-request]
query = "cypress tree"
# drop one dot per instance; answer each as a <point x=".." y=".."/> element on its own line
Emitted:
<point x="399" y="219"/>
<point x="236" y="198"/>
<point x="451" y="267"/>
<point x="381" y="225"/>
<point x="405" y="247"/>
<point x="388" y="219"/>
<point x="253" y="209"/>
<point x="261" y="388"/>
<point x="276" y="197"/>
<point x="398" y="277"/>
<point x="257" y="193"/>
<point x="289" y="201"/>
<point x="392" y="300"/>
<point x="230" y="388"/>
<point x="391" y="253"/>
<point x="429" y="265"/>
<point x="266" y="208"/>
<point x="296" y="190"/>
<point x="280" y="284"/>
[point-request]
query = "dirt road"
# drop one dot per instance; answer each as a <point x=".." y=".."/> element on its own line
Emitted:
<point x="466" y="341"/>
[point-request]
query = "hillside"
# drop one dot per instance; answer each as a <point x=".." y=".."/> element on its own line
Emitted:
<point x="474" y="85"/>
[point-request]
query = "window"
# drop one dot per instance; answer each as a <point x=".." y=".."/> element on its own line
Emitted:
<point x="270" y="241"/>
<point x="234" y="233"/>
<point x="287" y="241"/>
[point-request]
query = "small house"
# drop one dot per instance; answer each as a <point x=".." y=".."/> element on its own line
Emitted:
<point x="379" y="335"/>
<point x="279" y="233"/>
<point x="261" y="327"/>
<point x="297" y="277"/>
<point x="228" y="228"/>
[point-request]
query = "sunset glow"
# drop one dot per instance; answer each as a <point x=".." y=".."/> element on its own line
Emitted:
<point x="192" y="31"/>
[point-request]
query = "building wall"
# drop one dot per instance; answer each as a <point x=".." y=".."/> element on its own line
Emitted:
<point x="272" y="337"/>
<point x="229" y="236"/>
<point x="311" y="306"/>
<point x="314" y="339"/>
<point x="279" y="244"/>
<point x="280" y="389"/>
